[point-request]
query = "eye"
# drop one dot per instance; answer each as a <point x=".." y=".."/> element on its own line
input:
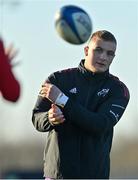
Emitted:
<point x="110" y="53"/>
<point x="98" y="49"/>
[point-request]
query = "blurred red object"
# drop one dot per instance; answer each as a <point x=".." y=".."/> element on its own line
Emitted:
<point x="9" y="85"/>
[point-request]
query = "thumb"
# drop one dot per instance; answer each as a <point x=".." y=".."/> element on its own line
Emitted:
<point x="53" y="106"/>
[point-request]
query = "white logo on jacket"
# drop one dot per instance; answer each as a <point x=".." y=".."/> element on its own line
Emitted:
<point x="73" y="90"/>
<point x="103" y="92"/>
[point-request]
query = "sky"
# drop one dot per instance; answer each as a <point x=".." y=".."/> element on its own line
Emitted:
<point x="30" y="26"/>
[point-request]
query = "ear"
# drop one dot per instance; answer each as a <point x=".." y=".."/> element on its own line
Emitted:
<point x="86" y="50"/>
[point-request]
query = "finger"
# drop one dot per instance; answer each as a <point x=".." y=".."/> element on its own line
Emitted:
<point x="41" y="95"/>
<point x="44" y="88"/>
<point x="55" y="115"/>
<point x="53" y="105"/>
<point x="9" y="49"/>
<point x="12" y="55"/>
<point x="58" y="118"/>
<point x="11" y="52"/>
<point x="16" y="64"/>
<point x="55" y="121"/>
<point x="42" y="92"/>
<point x="48" y="85"/>
<point x="43" y="85"/>
<point x="56" y="108"/>
<point x="56" y="111"/>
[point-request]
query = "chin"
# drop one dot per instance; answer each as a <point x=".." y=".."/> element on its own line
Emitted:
<point x="100" y="70"/>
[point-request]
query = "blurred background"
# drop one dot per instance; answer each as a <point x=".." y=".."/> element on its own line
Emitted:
<point x="29" y="24"/>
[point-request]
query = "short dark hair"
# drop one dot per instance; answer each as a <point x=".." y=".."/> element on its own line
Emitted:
<point x="105" y="35"/>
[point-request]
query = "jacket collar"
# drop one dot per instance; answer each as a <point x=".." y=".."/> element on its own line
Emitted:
<point x="89" y="74"/>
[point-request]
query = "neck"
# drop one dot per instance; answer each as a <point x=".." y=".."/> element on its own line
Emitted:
<point x="89" y="68"/>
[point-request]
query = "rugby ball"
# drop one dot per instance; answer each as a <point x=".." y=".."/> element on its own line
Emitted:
<point x="73" y="24"/>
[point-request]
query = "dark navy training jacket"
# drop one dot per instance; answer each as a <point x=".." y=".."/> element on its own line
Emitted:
<point x="80" y="147"/>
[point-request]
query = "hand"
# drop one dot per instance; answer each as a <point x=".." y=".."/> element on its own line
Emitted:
<point x="55" y="115"/>
<point x="50" y="91"/>
<point x="9" y="53"/>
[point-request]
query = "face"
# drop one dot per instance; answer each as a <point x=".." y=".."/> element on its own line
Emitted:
<point x="99" y="55"/>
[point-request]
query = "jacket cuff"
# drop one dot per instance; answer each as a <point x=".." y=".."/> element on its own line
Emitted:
<point x="61" y="100"/>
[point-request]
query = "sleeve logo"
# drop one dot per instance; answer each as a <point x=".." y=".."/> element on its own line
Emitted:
<point x="103" y="92"/>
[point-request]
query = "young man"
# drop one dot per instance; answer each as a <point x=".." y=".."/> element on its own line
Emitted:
<point x="79" y="107"/>
<point x="9" y="86"/>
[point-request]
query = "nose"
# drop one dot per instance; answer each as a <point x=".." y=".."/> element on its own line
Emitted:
<point x="103" y="56"/>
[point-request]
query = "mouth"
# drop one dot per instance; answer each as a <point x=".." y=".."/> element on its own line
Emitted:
<point x="100" y="64"/>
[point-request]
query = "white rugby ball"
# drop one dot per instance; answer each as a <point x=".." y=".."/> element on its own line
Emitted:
<point x="73" y="24"/>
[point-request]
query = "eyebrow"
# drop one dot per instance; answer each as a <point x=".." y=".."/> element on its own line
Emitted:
<point x="103" y="49"/>
<point x="108" y="51"/>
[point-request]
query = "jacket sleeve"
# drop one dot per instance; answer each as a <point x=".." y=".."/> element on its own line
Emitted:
<point x="105" y="117"/>
<point x="40" y="112"/>
<point x="9" y="86"/>
<point x="40" y="115"/>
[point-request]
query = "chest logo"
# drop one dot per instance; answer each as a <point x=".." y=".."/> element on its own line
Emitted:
<point x="73" y="91"/>
<point x="103" y="92"/>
